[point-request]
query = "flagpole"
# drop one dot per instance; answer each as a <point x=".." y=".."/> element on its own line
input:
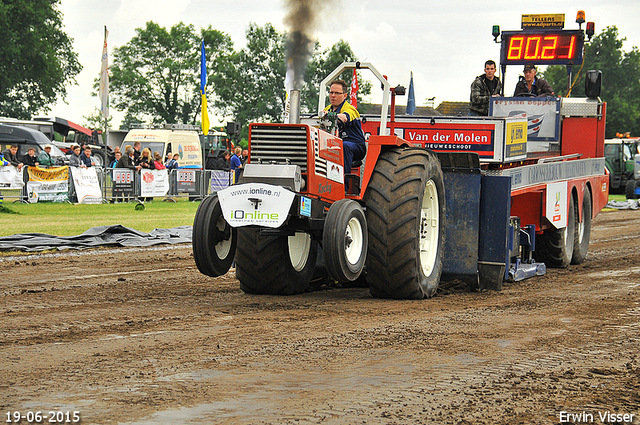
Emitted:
<point x="106" y="127"/>
<point x="104" y="86"/>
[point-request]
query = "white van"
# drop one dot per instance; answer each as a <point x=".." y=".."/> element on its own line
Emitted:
<point x="185" y="143"/>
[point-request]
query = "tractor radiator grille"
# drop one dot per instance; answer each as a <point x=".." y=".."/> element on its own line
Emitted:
<point x="274" y="143"/>
<point x="320" y="163"/>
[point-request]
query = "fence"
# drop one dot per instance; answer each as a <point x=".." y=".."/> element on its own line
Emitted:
<point x="98" y="184"/>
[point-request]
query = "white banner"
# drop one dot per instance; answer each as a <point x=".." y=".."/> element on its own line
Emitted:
<point x="255" y="203"/>
<point x="52" y="191"/>
<point x="10" y="178"/>
<point x="154" y="183"/>
<point x="87" y="185"/>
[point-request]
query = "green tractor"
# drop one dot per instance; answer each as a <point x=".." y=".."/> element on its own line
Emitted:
<point x="623" y="162"/>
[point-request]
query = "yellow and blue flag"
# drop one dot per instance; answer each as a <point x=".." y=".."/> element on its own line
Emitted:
<point x="203" y="84"/>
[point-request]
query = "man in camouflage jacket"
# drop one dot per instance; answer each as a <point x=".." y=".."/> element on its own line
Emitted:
<point x="483" y="88"/>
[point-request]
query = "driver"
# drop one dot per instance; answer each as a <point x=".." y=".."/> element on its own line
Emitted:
<point x="349" y="123"/>
<point x="530" y="85"/>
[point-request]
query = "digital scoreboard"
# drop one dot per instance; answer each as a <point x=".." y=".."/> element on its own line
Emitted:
<point x="542" y="47"/>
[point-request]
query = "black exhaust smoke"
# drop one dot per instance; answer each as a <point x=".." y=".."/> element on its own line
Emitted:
<point x="301" y="18"/>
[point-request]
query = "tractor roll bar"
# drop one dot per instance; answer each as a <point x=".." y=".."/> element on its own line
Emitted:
<point x="386" y="89"/>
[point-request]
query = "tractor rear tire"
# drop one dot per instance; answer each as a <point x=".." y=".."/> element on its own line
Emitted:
<point x="630" y="189"/>
<point x="345" y="240"/>
<point x="583" y="230"/>
<point x="213" y="240"/>
<point x="555" y="247"/>
<point x="274" y="265"/>
<point x="406" y="221"/>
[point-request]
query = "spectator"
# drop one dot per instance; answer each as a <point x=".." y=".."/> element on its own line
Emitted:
<point x="11" y="154"/>
<point x="85" y="157"/>
<point x="30" y="159"/>
<point x="115" y="161"/>
<point x="157" y="161"/>
<point x="136" y="152"/>
<point x="44" y="158"/>
<point x="245" y="156"/>
<point x="145" y="160"/>
<point x="172" y="163"/>
<point x="222" y="162"/>
<point x="74" y="159"/>
<point x="126" y="161"/>
<point x="236" y="164"/>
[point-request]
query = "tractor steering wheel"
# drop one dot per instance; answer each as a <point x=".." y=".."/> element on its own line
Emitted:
<point x="525" y="94"/>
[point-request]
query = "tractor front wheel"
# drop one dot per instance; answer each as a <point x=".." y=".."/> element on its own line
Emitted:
<point x="345" y="240"/>
<point x="213" y="240"/>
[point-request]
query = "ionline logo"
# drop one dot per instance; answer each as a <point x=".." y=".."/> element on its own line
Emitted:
<point x="253" y="215"/>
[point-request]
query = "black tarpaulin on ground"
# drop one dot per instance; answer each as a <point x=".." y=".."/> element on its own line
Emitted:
<point x="100" y="236"/>
<point x="629" y="204"/>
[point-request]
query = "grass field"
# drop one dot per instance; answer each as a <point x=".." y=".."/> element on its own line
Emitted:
<point x="68" y="219"/>
<point x="63" y="219"/>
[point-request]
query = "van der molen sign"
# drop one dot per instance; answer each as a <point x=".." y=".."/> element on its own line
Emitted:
<point x="555" y="20"/>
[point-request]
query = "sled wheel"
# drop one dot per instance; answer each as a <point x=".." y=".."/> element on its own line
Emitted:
<point x="344" y="240"/>
<point x="406" y="221"/>
<point x="555" y="247"/>
<point x="274" y="265"/>
<point x="583" y="231"/>
<point x="213" y="240"/>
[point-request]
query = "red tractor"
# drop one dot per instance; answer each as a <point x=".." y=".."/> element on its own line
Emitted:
<point x="294" y="198"/>
<point x="456" y="198"/>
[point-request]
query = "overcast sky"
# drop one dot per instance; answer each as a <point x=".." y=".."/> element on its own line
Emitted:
<point x="444" y="43"/>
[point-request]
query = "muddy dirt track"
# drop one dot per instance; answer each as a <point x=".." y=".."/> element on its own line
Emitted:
<point x="139" y="336"/>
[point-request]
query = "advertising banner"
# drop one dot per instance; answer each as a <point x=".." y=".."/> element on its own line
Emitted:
<point x="87" y="185"/>
<point x="48" y="184"/>
<point x="220" y="179"/>
<point x="186" y="181"/>
<point x="123" y="180"/>
<point x="255" y="204"/>
<point x="542" y="115"/>
<point x="10" y="178"/>
<point x="154" y="183"/>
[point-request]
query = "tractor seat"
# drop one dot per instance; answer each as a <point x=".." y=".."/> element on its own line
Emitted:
<point x="357" y="163"/>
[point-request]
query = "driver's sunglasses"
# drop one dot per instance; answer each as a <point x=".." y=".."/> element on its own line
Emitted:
<point x="336" y="92"/>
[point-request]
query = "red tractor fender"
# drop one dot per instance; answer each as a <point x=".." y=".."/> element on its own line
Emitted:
<point x="375" y="146"/>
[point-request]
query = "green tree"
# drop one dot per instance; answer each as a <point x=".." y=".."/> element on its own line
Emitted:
<point x="321" y="65"/>
<point x="620" y="80"/>
<point x="249" y="84"/>
<point x="37" y="61"/>
<point x="95" y="120"/>
<point x="156" y="75"/>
